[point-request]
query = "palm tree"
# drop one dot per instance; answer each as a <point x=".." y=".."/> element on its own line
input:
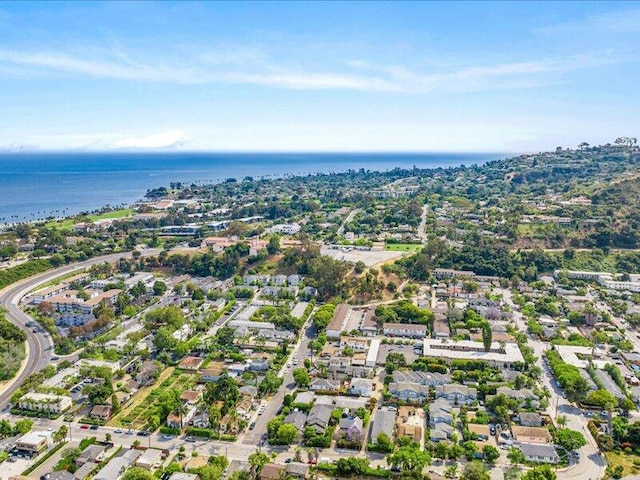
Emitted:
<point x="562" y="421"/>
<point x="180" y="410"/>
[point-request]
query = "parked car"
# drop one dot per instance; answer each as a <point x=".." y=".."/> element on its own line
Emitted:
<point x="252" y="425"/>
<point x="84" y="427"/>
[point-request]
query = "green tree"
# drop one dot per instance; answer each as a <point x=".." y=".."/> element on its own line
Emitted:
<point x="301" y="376"/>
<point x="542" y="472"/>
<point x="137" y="473"/>
<point x="384" y="444"/>
<point x="490" y="454"/>
<point x="570" y="439"/>
<point x="258" y="460"/>
<point x="159" y="288"/>
<point x="515" y="456"/>
<point x="475" y="471"/>
<point x="287" y="434"/>
<point x="409" y="457"/>
<point x="487" y="336"/>
<point x="22" y="426"/>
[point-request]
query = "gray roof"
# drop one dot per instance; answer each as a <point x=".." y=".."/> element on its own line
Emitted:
<point x="319" y="415"/>
<point x="297" y="468"/>
<point x="183" y="476"/>
<point x="538" y="450"/>
<point x="383" y="422"/>
<point x="118" y="465"/>
<point x="530" y="417"/>
<point x="61" y="475"/>
<point x="347" y="423"/>
<point x="297" y="419"/>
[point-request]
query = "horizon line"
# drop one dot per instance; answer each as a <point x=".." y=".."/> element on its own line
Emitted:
<point x="261" y="152"/>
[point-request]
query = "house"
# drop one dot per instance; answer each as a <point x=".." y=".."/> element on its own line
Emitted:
<point x="189" y="399"/>
<point x="358" y="344"/>
<point x="147" y="373"/>
<point x="352" y="429"/>
<point x="149" y="458"/>
<point x="319" y="417"/>
<point x="440" y="412"/>
<point x="259" y="365"/>
<point x="92" y="454"/>
<point x="184" y="476"/>
<point x="457" y="394"/>
<point x="530" y="419"/>
<point x="272" y="471"/>
<point x="441" y="431"/>
<point x="406" y="330"/>
<point x="430" y="379"/>
<point x="531" y="434"/>
<point x="410" y="392"/>
<point x="339" y="321"/>
<point x="60" y="475"/>
<point x="537" y="453"/>
<point x="361" y="387"/>
<point x="101" y="412"/>
<point x="410" y="423"/>
<point x="298" y="470"/>
<point x="384" y="422"/>
<point x="525" y="396"/>
<point x="482" y="432"/>
<point x="297" y="419"/>
<point x="45" y="402"/>
<point x="210" y="374"/>
<point x="191" y="363"/>
<point x="115" y="469"/>
<point x="324" y="385"/>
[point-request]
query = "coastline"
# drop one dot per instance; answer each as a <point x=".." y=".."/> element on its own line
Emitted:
<point x="51" y="186"/>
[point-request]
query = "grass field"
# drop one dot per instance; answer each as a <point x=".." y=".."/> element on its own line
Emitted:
<point x="403" y="247"/>
<point x="624" y="459"/>
<point x="70" y="222"/>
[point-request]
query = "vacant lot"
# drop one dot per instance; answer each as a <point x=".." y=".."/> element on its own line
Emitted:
<point x="403" y="247"/>
<point x="369" y="257"/>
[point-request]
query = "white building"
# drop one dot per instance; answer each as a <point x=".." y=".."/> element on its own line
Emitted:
<point x="45" y="402"/>
<point x="470" y="350"/>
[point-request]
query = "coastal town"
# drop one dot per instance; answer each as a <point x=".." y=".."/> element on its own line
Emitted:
<point x="467" y="323"/>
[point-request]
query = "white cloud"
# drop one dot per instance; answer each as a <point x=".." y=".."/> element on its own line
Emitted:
<point x="356" y="75"/>
<point x="170" y="139"/>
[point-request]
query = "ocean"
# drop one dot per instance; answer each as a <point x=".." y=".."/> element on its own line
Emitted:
<point x="35" y="186"/>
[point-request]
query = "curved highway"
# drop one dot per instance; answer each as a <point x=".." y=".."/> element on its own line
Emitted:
<point x="40" y="344"/>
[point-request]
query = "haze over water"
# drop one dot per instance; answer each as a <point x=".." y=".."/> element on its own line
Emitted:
<point x="35" y="186"/>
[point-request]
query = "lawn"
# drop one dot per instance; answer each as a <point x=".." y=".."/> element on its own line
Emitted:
<point x="624" y="459"/>
<point x="70" y="222"/>
<point x="403" y="247"/>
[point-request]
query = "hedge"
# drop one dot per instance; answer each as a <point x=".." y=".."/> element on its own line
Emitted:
<point x="46" y="457"/>
<point x="22" y="271"/>
<point x="210" y="434"/>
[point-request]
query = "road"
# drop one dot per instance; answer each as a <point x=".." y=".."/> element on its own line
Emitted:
<point x="40" y="345"/>
<point x="591" y="465"/>
<point x="347" y="220"/>
<point x="253" y="437"/>
<point x="422" y="235"/>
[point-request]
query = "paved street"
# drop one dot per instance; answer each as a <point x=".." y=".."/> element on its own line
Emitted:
<point x="40" y="346"/>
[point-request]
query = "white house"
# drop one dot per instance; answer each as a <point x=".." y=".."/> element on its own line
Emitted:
<point x="362" y="387"/>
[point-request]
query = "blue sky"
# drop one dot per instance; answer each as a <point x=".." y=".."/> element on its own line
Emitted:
<point x="501" y="77"/>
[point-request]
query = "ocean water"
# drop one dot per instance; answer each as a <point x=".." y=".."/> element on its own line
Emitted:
<point x="38" y="185"/>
